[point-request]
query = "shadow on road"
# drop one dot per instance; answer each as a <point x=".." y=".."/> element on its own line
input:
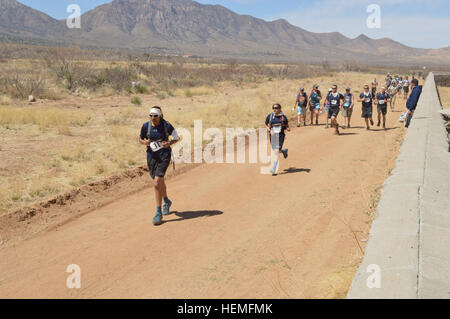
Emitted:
<point x="343" y="134"/>
<point x="295" y="170"/>
<point x="193" y="214"/>
<point x="386" y="129"/>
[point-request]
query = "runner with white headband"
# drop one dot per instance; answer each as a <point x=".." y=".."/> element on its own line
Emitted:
<point x="155" y="135"/>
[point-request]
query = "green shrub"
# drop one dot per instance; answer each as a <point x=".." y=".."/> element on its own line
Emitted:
<point x="136" y="100"/>
<point x="161" y="96"/>
<point x="141" y="89"/>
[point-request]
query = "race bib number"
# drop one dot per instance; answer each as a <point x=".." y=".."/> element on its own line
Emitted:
<point x="276" y="129"/>
<point x="155" y="146"/>
<point x="367" y="100"/>
<point x="333" y="102"/>
<point x="381" y="101"/>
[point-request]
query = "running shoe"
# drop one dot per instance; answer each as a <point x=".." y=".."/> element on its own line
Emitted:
<point x="166" y="208"/>
<point x="285" y="152"/>
<point x="157" y="220"/>
<point x="379" y="123"/>
<point x="298" y="124"/>
<point x="371" y="122"/>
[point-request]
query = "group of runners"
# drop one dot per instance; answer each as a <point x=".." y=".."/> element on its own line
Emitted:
<point x="156" y="132"/>
<point x="334" y="102"/>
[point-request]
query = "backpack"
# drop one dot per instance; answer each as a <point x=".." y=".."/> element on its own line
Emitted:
<point x="272" y="116"/>
<point x="166" y="129"/>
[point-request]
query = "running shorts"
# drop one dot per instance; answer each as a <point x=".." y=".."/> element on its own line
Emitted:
<point x="277" y="141"/>
<point x="366" y="112"/>
<point x="382" y="108"/>
<point x="301" y="110"/>
<point x="347" y="111"/>
<point x="157" y="165"/>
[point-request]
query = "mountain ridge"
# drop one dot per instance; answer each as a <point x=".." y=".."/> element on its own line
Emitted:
<point x="186" y="26"/>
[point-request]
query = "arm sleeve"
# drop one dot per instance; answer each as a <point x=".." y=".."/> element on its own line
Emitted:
<point x="267" y="119"/>
<point x="173" y="132"/>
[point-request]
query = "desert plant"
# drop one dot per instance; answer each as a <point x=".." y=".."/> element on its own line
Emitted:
<point x="136" y="100"/>
<point x="21" y="86"/>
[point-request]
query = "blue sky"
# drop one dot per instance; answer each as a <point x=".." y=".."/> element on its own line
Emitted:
<point x="418" y="23"/>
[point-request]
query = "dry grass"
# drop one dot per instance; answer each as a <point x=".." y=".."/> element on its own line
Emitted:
<point x="5" y="100"/>
<point x="444" y="93"/>
<point x="43" y="117"/>
<point x="190" y="92"/>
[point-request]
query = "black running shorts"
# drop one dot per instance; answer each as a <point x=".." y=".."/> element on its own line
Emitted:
<point x="366" y="112"/>
<point x="157" y="165"/>
<point x="277" y="141"/>
<point x="382" y="108"/>
<point x="333" y="111"/>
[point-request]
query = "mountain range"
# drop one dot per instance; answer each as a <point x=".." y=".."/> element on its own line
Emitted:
<point x="188" y="27"/>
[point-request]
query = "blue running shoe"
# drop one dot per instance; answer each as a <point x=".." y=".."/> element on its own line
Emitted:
<point x="166" y="207"/>
<point x="157" y="220"/>
<point x="285" y="153"/>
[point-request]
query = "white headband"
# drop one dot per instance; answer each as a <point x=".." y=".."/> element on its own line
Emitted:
<point x="156" y="111"/>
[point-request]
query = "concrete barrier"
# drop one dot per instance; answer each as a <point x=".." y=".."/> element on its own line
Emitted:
<point x="408" y="253"/>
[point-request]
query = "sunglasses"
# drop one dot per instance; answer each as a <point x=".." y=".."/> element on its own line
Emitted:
<point x="276" y="108"/>
<point x="154" y="115"/>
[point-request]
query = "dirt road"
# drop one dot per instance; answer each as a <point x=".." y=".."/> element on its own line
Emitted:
<point x="235" y="234"/>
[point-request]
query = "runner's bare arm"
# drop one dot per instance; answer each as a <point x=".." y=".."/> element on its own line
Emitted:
<point x="144" y="142"/>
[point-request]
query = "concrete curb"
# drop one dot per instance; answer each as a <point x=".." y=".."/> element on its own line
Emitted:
<point x="408" y="253"/>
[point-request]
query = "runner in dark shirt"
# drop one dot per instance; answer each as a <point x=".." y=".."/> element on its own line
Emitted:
<point x="277" y="124"/>
<point x="382" y="100"/>
<point x="367" y="101"/>
<point x="334" y="99"/>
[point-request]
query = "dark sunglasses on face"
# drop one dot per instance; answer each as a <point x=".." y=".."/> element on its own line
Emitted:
<point x="154" y="116"/>
<point x="276" y="108"/>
